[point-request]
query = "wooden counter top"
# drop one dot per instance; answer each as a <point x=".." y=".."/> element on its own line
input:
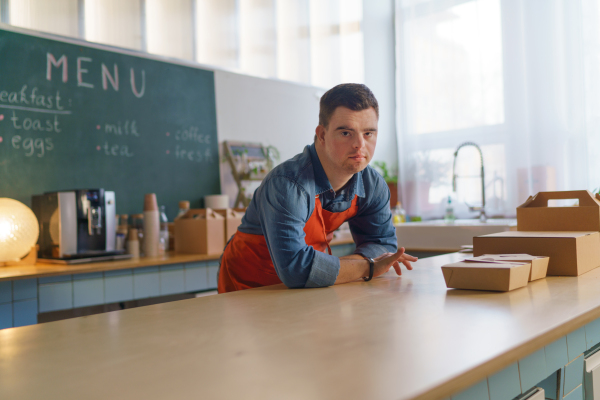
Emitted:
<point x="40" y="269"/>
<point x="392" y="338"/>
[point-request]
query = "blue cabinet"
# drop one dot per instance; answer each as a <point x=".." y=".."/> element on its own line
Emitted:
<point x="505" y="384"/>
<point x="558" y="368"/>
<point x="146" y="283"/>
<point x="172" y="279"/>
<point x="88" y="289"/>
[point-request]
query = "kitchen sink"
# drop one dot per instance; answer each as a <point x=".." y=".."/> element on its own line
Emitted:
<point x="440" y="236"/>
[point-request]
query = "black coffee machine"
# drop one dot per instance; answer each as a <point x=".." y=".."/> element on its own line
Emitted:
<point x="76" y="225"/>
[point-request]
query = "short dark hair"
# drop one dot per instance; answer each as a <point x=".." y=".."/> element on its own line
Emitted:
<point x="355" y="96"/>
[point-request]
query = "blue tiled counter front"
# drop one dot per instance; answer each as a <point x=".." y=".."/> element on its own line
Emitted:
<point x="22" y="300"/>
<point x="18" y="303"/>
<point x="558" y="368"/>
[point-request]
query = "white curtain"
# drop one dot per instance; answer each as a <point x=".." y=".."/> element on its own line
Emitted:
<point x="170" y="28"/>
<point x="520" y="78"/>
<point x="57" y="16"/>
<point x="114" y="22"/>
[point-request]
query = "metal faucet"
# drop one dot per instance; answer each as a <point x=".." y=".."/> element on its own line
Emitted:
<point x="482" y="216"/>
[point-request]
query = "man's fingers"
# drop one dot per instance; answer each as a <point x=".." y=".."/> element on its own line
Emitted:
<point x="397" y="256"/>
<point x="389" y="260"/>
<point x="409" y="257"/>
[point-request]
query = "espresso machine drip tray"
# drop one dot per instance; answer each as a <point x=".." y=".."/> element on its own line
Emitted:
<point x="85" y="258"/>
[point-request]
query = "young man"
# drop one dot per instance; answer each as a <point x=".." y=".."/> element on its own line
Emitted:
<point x="285" y="234"/>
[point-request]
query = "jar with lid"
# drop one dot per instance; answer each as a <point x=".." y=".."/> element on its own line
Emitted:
<point x="137" y="222"/>
<point x="184" y="206"/>
<point x="133" y="243"/>
<point x="398" y="214"/>
<point x="122" y="230"/>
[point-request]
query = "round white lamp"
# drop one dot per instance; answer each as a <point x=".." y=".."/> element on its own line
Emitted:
<point x="19" y="230"/>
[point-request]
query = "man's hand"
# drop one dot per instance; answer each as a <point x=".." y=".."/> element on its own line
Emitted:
<point x="354" y="267"/>
<point x="384" y="262"/>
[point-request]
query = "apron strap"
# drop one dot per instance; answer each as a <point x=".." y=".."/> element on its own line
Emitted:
<point x="320" y="215"/>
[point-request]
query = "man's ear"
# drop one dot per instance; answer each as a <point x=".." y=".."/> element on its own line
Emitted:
<point x="320" y="134"/>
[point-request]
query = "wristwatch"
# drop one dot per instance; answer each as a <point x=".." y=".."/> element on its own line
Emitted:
<point x="371" y="268"/>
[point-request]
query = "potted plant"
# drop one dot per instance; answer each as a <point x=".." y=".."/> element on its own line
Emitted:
<point x="391" y="180"/>
<point x="423" y="172"/>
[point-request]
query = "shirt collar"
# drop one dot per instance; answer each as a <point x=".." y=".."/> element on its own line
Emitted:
<point x="355" y="185"/>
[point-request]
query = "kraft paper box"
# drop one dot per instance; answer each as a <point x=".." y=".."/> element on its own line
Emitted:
<point x="233" y="219"/>
<point x="486" y="275"/>
<point x="539" y="264"/>
<point x="571" y="253"/>
<point x="200" y="231"/>
<point x="535" y="215"/>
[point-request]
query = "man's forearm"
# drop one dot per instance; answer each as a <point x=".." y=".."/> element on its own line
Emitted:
<point x="352" y="267"/>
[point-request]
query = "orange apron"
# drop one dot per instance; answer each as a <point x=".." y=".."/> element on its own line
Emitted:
<point x="246" y="262"/>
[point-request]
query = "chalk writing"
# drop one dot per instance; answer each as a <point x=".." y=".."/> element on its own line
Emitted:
<point x="128" y="128"/>
<point x="106" y="76"/>
<point x="137" y="93"/>
<point x="116" y="150"/>
<point x="193" y="155"/>
<point x="31" y="146"/>
<point x="83" y="65"/>
<point x="32" y="97"/>
<point x="192" y="134"/>
<point x="78" y="114"/>
<point x="81" y="71"/>
<point x="34" y="124"/>
<point x="51" y="61"/>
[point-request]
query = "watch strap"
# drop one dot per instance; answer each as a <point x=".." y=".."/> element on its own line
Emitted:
<point x="371" y="269"/>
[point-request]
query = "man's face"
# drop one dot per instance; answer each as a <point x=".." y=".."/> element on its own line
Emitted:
<point x="349" y="140"/>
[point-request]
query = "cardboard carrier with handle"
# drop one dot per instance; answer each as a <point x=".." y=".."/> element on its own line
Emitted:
<point x="233" y="219"/>
<point x="200" y="231"/>
<point x="568" y="235"/>
<point x="535" y="215"/>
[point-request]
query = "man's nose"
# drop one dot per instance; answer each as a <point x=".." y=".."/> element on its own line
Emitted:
<point x="359" y="142"/>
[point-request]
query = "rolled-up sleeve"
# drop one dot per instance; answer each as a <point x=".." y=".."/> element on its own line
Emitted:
<point x="284" y="209"/>
<point x="372" y="229"/>
<point x="324" y="271"/>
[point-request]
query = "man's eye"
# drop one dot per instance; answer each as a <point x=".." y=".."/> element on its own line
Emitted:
<point x="369" y="134"/>
<point x="345" y="133"/>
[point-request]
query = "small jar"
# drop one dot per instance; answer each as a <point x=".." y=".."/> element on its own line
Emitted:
<point x="133" y="244"/>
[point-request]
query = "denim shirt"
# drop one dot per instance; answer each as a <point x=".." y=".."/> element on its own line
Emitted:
<point x="284" y="202"/>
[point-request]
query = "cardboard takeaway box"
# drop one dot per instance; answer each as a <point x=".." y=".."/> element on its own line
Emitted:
<point x="200" y="231"/>
<point x="571" y="253"/>
<point x="233" y="219"/>
<point x="539" y="264"/>
<point x="486" y="275"/>
<point x="534" y="215"/>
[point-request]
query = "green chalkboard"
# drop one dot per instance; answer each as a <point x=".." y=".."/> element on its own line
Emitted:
<point x="74" y="115"/>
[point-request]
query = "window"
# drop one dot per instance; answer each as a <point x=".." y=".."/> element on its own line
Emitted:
<point x="293" y="40"/>
<point x="336" y="42"/>
<point x="57" y="16"/>
<point x="114" y="22"/>
<point x="169" y="28"/>
<point x="454" y="66"/>
<point x="351" y="46"/>
<point x="451" y="91"/>
<point x="216" y="33"/>
<point x="258" y="47"/>
<point x="317" y="42"/>
<point x="519" y="78"/>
